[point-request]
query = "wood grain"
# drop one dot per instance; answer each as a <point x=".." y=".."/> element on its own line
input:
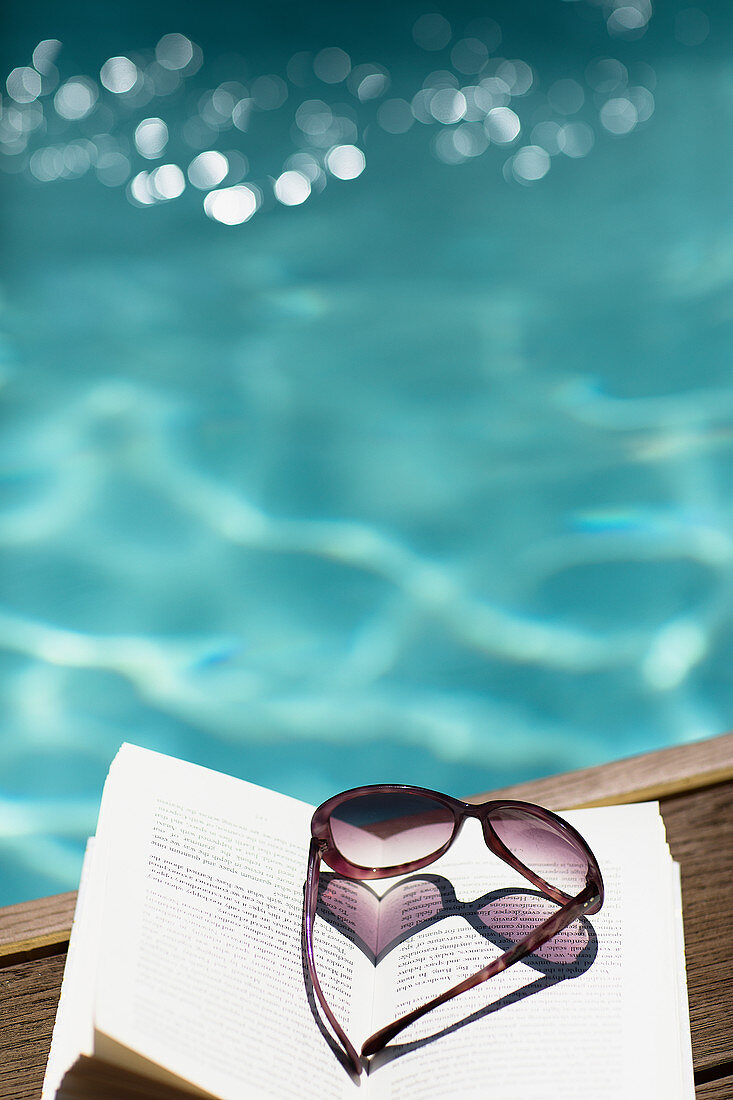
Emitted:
<point x="722" y="1089"/>
<point x="29" y="993"/>
<point x="653" y="775"/>
<point x="36" y="927"/>
<point x="700" y="835"/>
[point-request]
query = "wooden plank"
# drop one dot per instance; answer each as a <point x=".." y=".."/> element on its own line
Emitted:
<point x="722" y="1089"/>
<point x="29" y="993"/>
<point x="35" y="927"/>
<point x="700" y="835"/>
<point x="653" y="775"/>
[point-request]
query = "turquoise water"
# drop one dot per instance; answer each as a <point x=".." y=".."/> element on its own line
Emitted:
<point x="421" y="472"/>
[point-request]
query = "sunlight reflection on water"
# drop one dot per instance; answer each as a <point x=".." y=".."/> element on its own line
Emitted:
<point x="399" y="471"/>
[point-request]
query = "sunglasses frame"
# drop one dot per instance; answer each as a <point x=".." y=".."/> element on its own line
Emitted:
<point x="323" y="847"/>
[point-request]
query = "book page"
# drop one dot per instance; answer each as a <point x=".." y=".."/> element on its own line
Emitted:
<point x="195" y="936"/>
<point x="683" y="1006"/>
<point x="605" y="1024"/>
<point x="200" y="968"/>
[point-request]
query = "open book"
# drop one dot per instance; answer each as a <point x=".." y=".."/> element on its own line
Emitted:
<point x="185" y="973"/>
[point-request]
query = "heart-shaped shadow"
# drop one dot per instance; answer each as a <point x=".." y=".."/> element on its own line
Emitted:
<point x="504" y="917"/>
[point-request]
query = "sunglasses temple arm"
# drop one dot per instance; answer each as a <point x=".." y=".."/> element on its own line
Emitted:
<point x="541" y="934"/>
<point x="310" y="901"/>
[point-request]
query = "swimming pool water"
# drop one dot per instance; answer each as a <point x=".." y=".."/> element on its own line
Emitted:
<point x="419" y="470"/>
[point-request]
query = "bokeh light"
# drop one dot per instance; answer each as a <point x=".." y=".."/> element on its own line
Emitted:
<point x="23" y="84"/>
<point x="76" y="98"/>
<point x="346" y="162"/>
<point x="167" y="182"/>
<point x="231" y="205"/>
<point x="112" y="168"/>
<point x="174" y="51"/>
<point x="432" y="31"/>
<point x="119" y="75"/>
<point x="269" y="92"/>
<point x="502" y="125"/>
<point x="292" y="188"/>
<point x="566" y="96"/>
<point x="489" y="100"/>
<point x="208" y="169"/>
<point x="619" y="115"/>
<point x="332" y="65"/>
<point x="151" y="137"/>
<point x="395" y="116"/>
<point x="530" y="163"/>
<point x="447" y="105"/>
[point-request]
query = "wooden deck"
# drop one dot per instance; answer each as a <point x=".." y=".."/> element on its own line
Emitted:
<point x="695" y="786"/>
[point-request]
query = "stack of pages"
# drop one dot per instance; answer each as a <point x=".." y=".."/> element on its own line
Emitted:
<point x="185" y="972"/>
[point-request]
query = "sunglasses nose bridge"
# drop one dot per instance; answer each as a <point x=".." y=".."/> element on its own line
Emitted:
<point x="482" y="814"/>
<point x="478" y="814"/>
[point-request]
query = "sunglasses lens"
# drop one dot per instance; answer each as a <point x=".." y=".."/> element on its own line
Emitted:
<point x="389" y="829"/>
<point x="543" y="848"/>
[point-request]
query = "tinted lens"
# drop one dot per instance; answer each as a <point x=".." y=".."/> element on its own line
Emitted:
<point x="542" y="847"/>
<point x="390" y="829"/>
